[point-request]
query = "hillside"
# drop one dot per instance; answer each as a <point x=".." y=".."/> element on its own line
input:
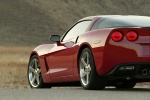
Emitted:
<point x="30" y="22"/>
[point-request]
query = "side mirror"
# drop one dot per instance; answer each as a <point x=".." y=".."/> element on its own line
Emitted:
<point x="55" y="38"/>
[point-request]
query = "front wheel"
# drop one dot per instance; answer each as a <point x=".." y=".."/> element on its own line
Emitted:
<point x="89" y="78"/>
<point x="34" y="74"/>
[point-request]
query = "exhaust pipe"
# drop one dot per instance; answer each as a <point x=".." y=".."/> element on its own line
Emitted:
<point x="144" y="72"/>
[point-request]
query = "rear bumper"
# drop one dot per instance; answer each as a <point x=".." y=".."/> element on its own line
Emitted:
<point x="130" y="71"/>
<point x="113" y="62"/>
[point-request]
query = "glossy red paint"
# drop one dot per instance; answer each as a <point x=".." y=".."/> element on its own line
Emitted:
<point x="126" y="51"/>
<point x="59" y="61"/>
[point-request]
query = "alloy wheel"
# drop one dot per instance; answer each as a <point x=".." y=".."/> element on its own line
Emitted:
<point x="34" y="72"/>
<point x="85" y="68"/>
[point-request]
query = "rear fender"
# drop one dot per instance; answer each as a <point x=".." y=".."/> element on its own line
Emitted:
<point x="96" y="40"/>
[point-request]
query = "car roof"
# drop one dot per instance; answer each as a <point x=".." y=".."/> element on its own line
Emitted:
<point x="105" y="16"/>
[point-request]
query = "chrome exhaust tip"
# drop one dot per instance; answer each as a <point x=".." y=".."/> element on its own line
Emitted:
<point x="144" y="72"/>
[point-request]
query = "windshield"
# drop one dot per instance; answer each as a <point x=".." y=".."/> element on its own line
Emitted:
<point x="122" y="21"/>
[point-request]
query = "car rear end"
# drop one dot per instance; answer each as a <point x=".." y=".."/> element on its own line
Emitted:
<point x="127" y="54"/>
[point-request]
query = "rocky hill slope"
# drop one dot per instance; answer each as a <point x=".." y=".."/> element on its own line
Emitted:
<point x="30" y="22"/>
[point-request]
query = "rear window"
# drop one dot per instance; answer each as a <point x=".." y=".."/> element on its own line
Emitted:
<point x="123" y="21"/>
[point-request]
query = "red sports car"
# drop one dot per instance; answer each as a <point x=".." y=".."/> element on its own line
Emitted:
<point x="98" y="51"/>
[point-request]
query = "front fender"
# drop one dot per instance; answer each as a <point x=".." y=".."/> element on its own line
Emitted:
<point x="43" y="49"/>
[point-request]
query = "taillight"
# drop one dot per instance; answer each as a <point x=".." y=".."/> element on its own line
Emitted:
<point x="117" y="36"/>
<point x="131" y="36"/>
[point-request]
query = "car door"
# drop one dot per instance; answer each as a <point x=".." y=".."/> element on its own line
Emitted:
<point x="61" y="55"/>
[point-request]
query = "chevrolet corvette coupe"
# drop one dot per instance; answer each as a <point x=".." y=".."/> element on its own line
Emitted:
<point x="97" y="51"/>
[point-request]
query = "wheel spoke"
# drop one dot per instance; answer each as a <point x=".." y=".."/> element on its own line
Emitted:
<point x="82" y="60"/>
<point x="82" y="73"/>
<point x="87" y="78"/>
<point x="32" y="70"/>
<point x="33" y="79"/>
<point x="35" y="63"/>
<point x="37" y="79"/>
<point x="39" y="71"/>
<point x="87" y="57"/>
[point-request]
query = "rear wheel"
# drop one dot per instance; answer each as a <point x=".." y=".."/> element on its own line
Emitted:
<point x="34" y="73"/>
<point x="89" y="78"/>
<point x="121" y="85"/>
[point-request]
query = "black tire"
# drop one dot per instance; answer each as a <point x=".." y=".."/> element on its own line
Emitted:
<point x="34" y="70"/>
<point x="94" y="82"/>
<point x="122" y="85"/>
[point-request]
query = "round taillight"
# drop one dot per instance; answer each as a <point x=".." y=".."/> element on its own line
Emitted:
<point x="117" y="36"/>
<point x="131" y="36"/>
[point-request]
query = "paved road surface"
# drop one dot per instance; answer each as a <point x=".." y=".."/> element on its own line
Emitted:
<point x="74" y="93"/>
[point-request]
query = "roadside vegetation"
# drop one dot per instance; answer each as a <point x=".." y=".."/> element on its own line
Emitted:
<point x="13" y="66"/>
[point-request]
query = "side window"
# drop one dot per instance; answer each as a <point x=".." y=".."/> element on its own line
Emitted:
<point x="77" y="30"/>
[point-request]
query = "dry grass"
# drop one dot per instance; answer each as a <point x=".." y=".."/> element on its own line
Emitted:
<point x="13" y="66"/>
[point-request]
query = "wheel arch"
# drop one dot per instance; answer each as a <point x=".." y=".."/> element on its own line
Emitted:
<point x="43" y="65"/>
<point x="82" y="47"/>
<point x="95" y="80"/>
<point x="33" y="53"/>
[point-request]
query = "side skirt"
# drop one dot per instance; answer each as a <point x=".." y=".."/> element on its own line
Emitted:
<point x="68" y="78"/>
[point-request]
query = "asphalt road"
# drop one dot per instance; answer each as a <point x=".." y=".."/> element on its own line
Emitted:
<point x="75" y="93"/>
